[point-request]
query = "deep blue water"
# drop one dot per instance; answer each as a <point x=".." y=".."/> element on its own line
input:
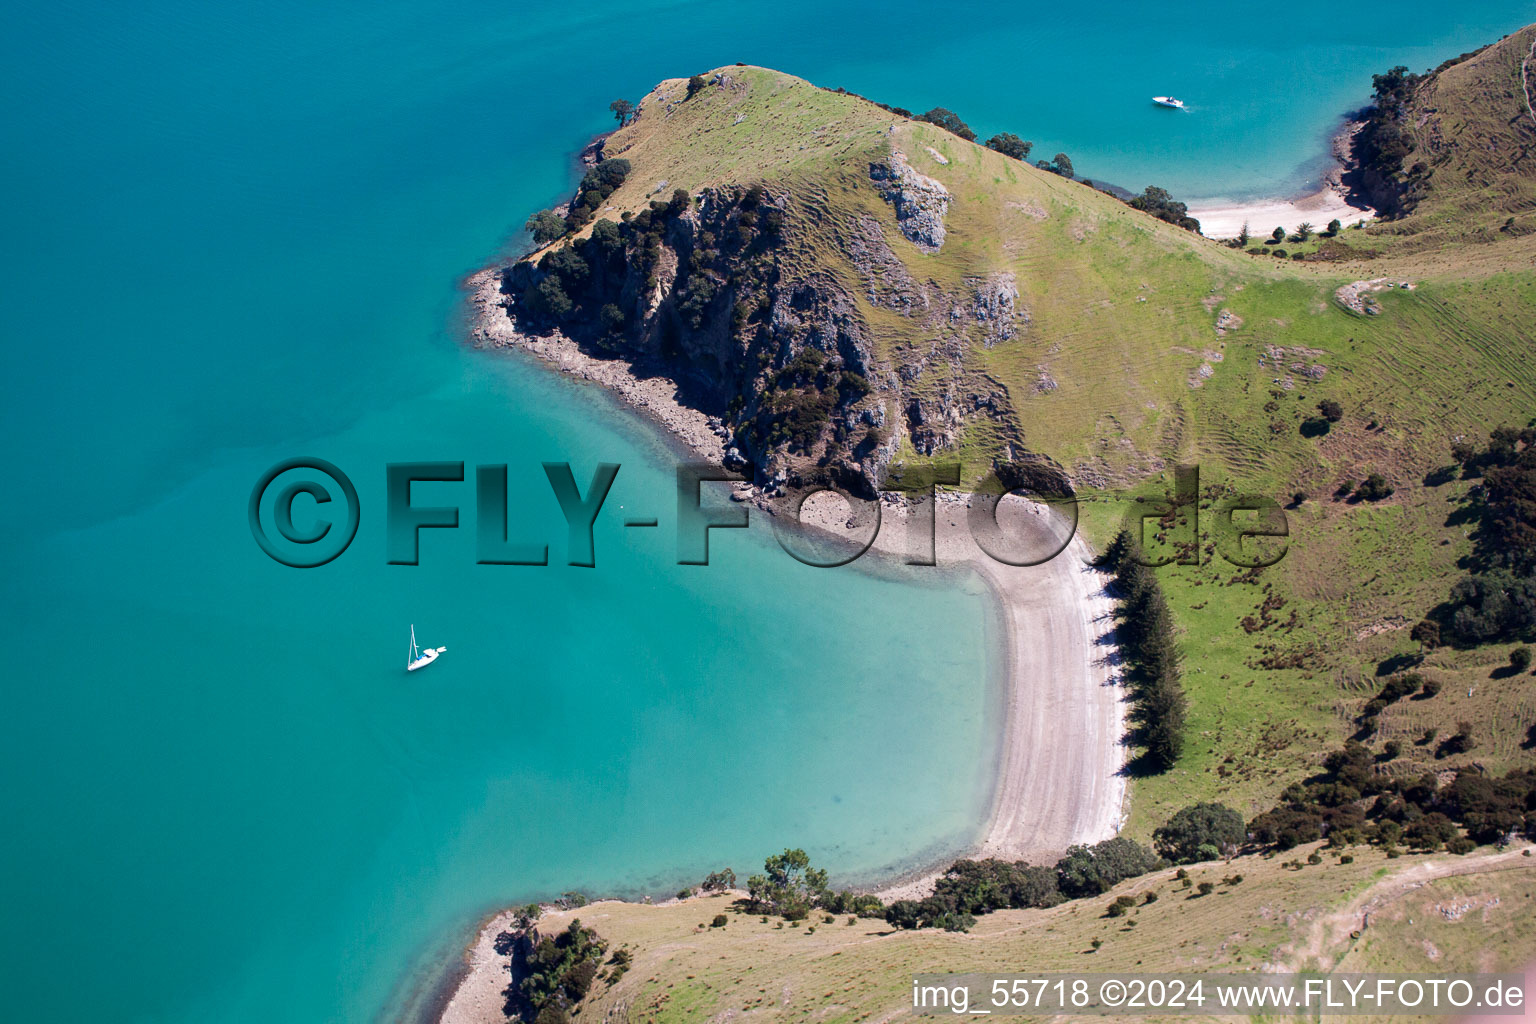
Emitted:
<point x="234" y="235"/>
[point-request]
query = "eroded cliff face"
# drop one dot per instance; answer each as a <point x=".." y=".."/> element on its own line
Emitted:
<point x="716" y="291"/>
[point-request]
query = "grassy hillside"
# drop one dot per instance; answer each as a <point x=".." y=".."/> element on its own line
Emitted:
<point x="1468" y="913"/>
<point x="1121" y="368"/>
<point x="1471" y="132"/>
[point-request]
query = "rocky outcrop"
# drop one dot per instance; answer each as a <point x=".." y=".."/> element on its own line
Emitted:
<point x="710" y="298"/>
<point x="995" y="307"/>
<point x="920" y="202"/>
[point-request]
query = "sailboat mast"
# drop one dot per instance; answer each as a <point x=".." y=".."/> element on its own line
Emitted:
<point x="414" y="652"/>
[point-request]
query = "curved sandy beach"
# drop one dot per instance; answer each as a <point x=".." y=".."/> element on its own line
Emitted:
<point x="1224" y="218"/>
<point x="1221" y="218"/>
<point x="1058" y="778"/>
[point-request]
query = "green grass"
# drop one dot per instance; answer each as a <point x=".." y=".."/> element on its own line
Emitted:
<point x="1278" y="915"/>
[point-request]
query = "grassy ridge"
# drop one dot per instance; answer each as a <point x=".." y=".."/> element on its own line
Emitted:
<point x="1473" y="148"/>
<point x="1278" y="916"/>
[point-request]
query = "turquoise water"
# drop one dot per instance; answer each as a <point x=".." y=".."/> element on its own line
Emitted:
<point x="234" y="236"/>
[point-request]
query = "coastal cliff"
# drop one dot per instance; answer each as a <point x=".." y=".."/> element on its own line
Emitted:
<point x="818" y="294"/>
<point x="714" y="289"/>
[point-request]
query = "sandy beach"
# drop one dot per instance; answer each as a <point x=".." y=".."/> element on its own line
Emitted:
<point x="1222" y="218"/>
<point x="1058" y="778"/>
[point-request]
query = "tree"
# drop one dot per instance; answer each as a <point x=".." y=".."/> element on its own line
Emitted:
<point x="1062" y="165"/>
<point x="1091" y="870"/>
<point x="950" y="122"/>
<point x="1334" y="227"/>
<point x="545" y="226"/>
<point x="1426" y="633"/>
<point x="548" y="298"/>
<point x="1520" y="659"/>
<point x="1278" y="235"/>
<point x="1009" y="144"/>
<point x="1160" y="204"/>
<point x="1211" y="825"/>
<point x="1242" y="236"/>
<point x="1332" y="411"/>
<point x="694" y="85"/>
<point x="1304" y="230"/>
<point x="623" y="111"/>
<point x="719" y="881"/>
<point x="789" y="886"/>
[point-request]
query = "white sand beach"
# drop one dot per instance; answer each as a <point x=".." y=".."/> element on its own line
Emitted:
<point x="1221" y="218"/>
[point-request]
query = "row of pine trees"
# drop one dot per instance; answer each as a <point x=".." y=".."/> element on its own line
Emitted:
<point x="1146" y="641"/>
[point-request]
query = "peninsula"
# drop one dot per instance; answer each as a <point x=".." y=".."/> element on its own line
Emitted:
<point x="812" y="288"/>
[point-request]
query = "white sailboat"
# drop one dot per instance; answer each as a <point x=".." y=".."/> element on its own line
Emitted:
<point x="418" y="658"/>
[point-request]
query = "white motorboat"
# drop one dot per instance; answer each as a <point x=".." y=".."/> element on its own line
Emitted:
<point x="1168" y="101"/>
<point x="418" y="658"/>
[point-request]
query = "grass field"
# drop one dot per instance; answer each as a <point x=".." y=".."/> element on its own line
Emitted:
<point x="1468" y="913"/>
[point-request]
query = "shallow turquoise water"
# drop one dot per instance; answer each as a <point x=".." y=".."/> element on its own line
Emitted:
<point x="234" y="236"/>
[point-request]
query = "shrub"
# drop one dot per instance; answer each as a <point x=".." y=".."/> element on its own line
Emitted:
<point x="1089" y="870"/>
<point x="1162" y="205"/>
<point x="1208" y="825"/>
<point x="950" y="122"/>
<point x="1009" y="144"/>
<point x="545" y="226"/>
<point x="1206" y="888"/>
<point x="719" y="881"/>
<point x="720" y="921"/>
<point x="1150" y="897"/>
<point x="556" y="973"/>
<point x="1278" y="234"/>
<point x="1427" y="634"/>
<point x="1520" y="659"/>
<point x="1115" y="910"/>
<point x="611" y="318"/>
<point x="1459" y="742"/>
<point x="1331" y="411"/>
<point x="695" y="83"/>
<point x="1430" y="687"/>
<point x="1373" y="488"/>
<point x="1492" y="606"/>
<point x="1348" y="858"/>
